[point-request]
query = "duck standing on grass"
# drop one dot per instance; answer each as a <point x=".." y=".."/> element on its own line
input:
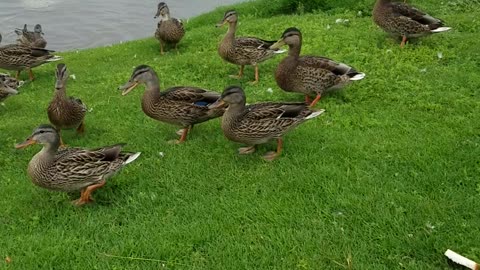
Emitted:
<point x="180" y="105"/>
<point x="20" y="57"/>
<point x="65" y="112"/>
<point x="243" y="50"/>
<point x="32" y="39"/>
<point x="169" y="30"/>
<point x="310" y="75"/>
<point x="401" y="19"/>
<point x="72" y="169"/>
<point x="261" y="122"/>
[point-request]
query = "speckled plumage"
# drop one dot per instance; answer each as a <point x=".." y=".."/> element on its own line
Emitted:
<point x="261" y="122"/>
<point x="401" y="19"/>
<point x="181" y="105"/>
<point x="20" y="57"/>
<point x="31" y="38"/>
<point x="65" y="112"/>
<point x="169" y="30"/>
<point x="72" y="169"/>
<point x="310" y="75"/>
<point x="243" y="50"/>
<point x="8" y="86"/>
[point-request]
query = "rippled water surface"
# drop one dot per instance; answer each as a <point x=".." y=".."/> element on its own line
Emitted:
<point x="77" y="24"/>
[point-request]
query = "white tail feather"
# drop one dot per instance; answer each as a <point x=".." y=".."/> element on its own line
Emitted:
<point x="131" y="158"/>
<point x="280" y="51"/>
<point x="358" y="77"/>
<point x="314" y="114"/>
<point x="440" y="29"/>
<point x="55" y="58"/>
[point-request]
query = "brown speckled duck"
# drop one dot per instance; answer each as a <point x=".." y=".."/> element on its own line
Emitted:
<point x="261" y="122"/>
<point x="65" y="112"/>
<point x="31" y="38"/>
<point x="401" y="19"/>
<point x="169" y="30"/>
<point x="310" y="75"/>
<point x="20" y="57"/>
<point x="184" y="106"/>
<point x="243" y="50"/>
<point x="72" y="169"/>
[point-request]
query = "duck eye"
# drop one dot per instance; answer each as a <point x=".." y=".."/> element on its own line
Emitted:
<point x="42" y="131"/>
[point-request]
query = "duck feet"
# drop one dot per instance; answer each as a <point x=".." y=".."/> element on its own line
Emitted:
<point x="317" y="98"/>
<point x="85" y="195"/>
<point x="404" y="41"/>
<point x="246" y="150"/>
<point x="270" y="156"/>
<point x="257" y="77"/>
<point x="240" y="74"/>
<point x="30" y="73"/>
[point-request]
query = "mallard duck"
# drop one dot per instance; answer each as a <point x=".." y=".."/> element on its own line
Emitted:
<point x="20" y="57"/>
<point x="261" y="122"/>
<point x="65" y="112"/>
<point x="243" y="50"/>
<point x="72" y="169"/>
<point x="401" y="19"/>
<point x="32" y="39"/>
<point x="5" y="89"/>
<point x="169" y="30"/>
<point x="310" y="75"/>
<point x="180" y="105"/>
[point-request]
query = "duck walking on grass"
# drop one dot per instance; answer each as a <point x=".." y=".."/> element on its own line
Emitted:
<point x="401" y="19"/>
<point x="261" y="122"/>
<point x="20" y="57"/>
<point x="243" y="50"/>
<point x="169" y="30"/>
<point x="31" y="38"/>
<point x="310" y="75"/>
<point x="72" y="169"/>
<point x="180" y="105"/>
<point x="65" y="112"/>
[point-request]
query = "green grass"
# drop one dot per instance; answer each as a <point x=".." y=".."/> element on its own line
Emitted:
<point x="387" y="178"/>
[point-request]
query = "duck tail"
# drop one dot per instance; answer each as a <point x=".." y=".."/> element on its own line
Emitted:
<point x="131" y="158"/>
<point x="314" y="114"/>
<point x="440" y="29"/>
<point x="357" y="76"/>
<point x="54" y="58"/>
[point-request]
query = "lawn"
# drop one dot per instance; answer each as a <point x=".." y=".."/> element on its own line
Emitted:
<point x="387" y="178"/>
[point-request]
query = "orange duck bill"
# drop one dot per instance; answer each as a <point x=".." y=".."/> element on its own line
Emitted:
<point x="26" y="143"/>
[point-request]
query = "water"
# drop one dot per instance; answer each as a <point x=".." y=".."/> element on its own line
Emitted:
<point x="79" y="24"/>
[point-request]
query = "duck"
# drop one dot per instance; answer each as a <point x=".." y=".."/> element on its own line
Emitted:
<point x="401" y="19"/>
<point x="260" y="122"/>
<point x="7" y="88"/>
<point x="19" y="57"/>
<point x="73" y="169"/>
<point x="11" y="81"/>
<point x="184" y="106"/>
<point x="169" y="30"/>
<point x="65" y="112"/>
<point x="243" y="50"/>
<point x="31" y="38"/>
<point x="308" y="74"/>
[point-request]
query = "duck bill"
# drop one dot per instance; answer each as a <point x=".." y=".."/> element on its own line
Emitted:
<point x="26" y="143"/>
<point x="219" y="103"/>
<point x="221" y="23"/>
<point x="277" y="45"/>
<point x="157" y="15"/>
<point x="129" y="86"/>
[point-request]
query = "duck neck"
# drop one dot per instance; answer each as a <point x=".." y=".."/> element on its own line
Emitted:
<point x="230" y="36"/>
<point x="152" y="94"/>
<point x="60" y="93"/>
<point x="294" y="49"/>
<point x="45" y="157"/>
<point x="233" y="111"/>
<point x="165" y="17"/>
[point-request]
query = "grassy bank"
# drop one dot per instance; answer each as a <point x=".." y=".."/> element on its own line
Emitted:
<point x="387" y="178"/>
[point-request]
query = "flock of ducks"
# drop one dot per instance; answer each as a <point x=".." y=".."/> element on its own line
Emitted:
<point x="57" y="167"/>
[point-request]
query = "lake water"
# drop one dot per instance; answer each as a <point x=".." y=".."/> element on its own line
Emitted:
<point x="78" y="24"/>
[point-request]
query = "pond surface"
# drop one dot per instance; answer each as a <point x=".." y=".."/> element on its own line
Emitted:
<point x="79" y="24"/>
